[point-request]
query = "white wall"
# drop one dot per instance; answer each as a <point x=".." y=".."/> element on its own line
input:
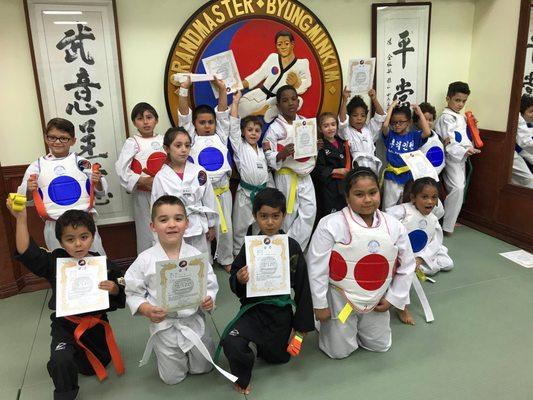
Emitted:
<point x="148" y="28"/>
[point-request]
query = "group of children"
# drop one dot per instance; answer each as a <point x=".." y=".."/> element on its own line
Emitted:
<point x="358" y="263"/>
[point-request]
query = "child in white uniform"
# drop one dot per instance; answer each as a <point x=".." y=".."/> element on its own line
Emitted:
<point x="141" y="157"/>
<point x="209" y="130"/>
<point x="170" y="333"/>
<point x="353" y="275"/>
<point x="361" y="134"/>
<point x="190" y="183"/>
<point x="252" y="165"/>
<point x="292" y="176"/>
<point x="523" y="156"/>
<point x="452" y="126"/>
<point x="425" y="232"/>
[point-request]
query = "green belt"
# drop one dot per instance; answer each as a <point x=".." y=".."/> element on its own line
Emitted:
<point x="279" y="301"/>
<point x="252" y="188"/>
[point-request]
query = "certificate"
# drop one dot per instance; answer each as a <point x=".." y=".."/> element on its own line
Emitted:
<point x="223" y="65"/>
<point x="77" y="282"/>
<point x="361" y="75"/>
<point x="305" y="138"/>
<point x="181" y="283"/>
<point x="419" y="165"/>
<point x="267" y="258"/>
<point x="181" y="77"/>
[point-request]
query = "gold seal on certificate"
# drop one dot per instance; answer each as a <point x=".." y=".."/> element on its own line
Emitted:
<point x="223" y="65"/>
<point x="77" y="282"/>
<point x="182" y="283"/>
<point x="267" y="258"/>
<point x="419" y="165"/>
<point x="305" y="138"/>
<point x="361" y="75"/>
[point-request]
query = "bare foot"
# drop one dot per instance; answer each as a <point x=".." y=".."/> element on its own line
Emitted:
<point x="227" y="268"/>
<point x="406" y="317"/>
<point x="239" y="389"/>
<point x="447" y="234"/>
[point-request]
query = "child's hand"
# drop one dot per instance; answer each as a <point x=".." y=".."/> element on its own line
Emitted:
<point x="339" y="171"/>
<point x="294" y="80"/>
<point x="416" y="108"/>
<point x="446" y="142"/>
<point x="266" y="145"/>
<point x="372" y="94"/>
<point x="287" y="151"/>
<point x="153" y="313"/>
<point x="320" y="144"/>
<point x="419" y="261"/>
<point x="471" y="151"/>
<point x="186" y="84"/>
<point x="211" y="233"/>
<point x="383" y="305"/>
<point x="243" y="276"/>
<point x="237" y="97"/>
<point x="207" y="304"/>
<point x="394" y="103"/>
<point x="221" y="86"/>
<point x="109" y="286"/>
<point x="145" y="183"/>
<point x="32" y="184"/>
<point x="95" y="177"/>
<point x="346" y="93"/>
<point x="16" y="214"/>
<point x="322" y="314"/>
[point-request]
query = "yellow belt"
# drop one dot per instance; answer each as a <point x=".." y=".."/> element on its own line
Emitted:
<point x="218" y="192"/>
<point x="294" y="185"/>
<point x="394" y="170"/>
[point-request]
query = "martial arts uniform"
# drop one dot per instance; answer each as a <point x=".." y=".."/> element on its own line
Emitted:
<point x="196" y="192"/>
<point x="140" y="157"/>
<point x="362" y="143"/>
<point x="397" y="174"/>
<point x="67" y="357"/>
<point x="451" y="125"/>
<point x="294" y="181"/>
<point x="211" y="152"/>
<point x="170" y="339"/>
<point x="271" y="75"/>
<point x="253" y="169"/>
<point x="343" y="247"/>
<point x="66" y="184"/>
<point x="433" y="149"/>
<point x="331" y="196"/>
<point x="523" y="156"/>
<point x="425" y="236"/>
<point x="267" y="321"/>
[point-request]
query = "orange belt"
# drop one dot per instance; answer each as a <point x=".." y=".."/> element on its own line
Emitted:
<point x="87" y="322"/>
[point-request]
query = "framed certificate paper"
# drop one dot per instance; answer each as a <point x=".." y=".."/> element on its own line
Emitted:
<point x="305" y="138"/>
<point x="361" y="75"/>
<point x="267" y="258"/>
<point x="77" y="285"/>
<point x="223" y="65"/>
<point x="181" y="283"/>
<point x="419" y="165"/>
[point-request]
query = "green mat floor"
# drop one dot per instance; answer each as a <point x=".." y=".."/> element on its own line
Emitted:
<point x="479" y="347"/>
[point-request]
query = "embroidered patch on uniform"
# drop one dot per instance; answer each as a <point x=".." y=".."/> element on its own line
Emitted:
<point x="156" y="145"/>
<point x="234" y="332"/>
<point x="84" y="164"/>
<point x="59" y="170"/>
<point x="61" y="346"/>
<point x="81" y="262"/>
<point x="202" y="178"/>
<point x="183" y="264"/>
<point x="373" y="246"/>
<point x="327" y="151"/>
<point x="423" y="224"/>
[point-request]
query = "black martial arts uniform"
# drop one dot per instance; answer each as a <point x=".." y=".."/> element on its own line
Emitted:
<point x="67" y="358"/>
<point x="329" y="191"/>
<point x="268" y="326"/>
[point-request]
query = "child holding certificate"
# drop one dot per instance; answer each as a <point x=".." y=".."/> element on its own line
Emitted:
<point x="360" y="133"/>
<point x="332" y="165"/>
<point x="292" y="175"/>
<point x="425" y="232"/>
<point x="178" y="337"/>
<point x="82" y="343"/>
<point x="252" y="165"/>
<point x="209" y="129"/>
<point x="362" y="264"/>
<point x="266" y="323"/>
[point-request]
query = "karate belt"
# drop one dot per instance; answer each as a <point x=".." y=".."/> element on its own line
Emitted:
<point x="193" y="337"/>
<point x="294" y="185"/>
<point x="394" y="170"/>
<point x="254" y="189"/>
<point x="218" y="193"/>
<point x="87" y="322"/>
<point x="279" y="301"/>
<point x="422" y="296"/>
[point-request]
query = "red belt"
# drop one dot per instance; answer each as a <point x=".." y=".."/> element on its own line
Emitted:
<point x="87" y="322"/>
